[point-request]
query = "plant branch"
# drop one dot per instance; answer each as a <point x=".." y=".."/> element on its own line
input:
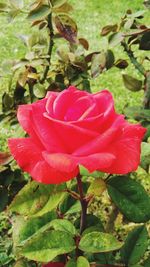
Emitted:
<point x="136" y="33"/>
<point x="107" y="178"/>
<point x="50" y="48"/>
<point x="84" y="204"/>
<point x="133" y="59"/>
<point x="147" y="91"/>
<point x="73" y="194"/>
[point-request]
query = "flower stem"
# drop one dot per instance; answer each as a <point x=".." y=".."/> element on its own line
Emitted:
<point x="133" y="59"/>
<point x="147" y="91"/>
<point x="50" y="48"/>
<point x="84" y="205"/>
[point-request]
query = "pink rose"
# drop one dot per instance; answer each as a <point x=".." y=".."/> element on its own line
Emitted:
<point x="53" y="264"/>
<point x="73" y="128"/>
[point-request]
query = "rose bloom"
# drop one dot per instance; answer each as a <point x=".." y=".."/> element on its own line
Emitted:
<point x="73" y="128"/>
<point x="53" y="264"/>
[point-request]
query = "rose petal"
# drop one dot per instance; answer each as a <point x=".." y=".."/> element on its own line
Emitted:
<point x="41" y="131"/>
<point x="90" y="112"/>
<point x="98" y="161"/>
<point x="62" y="162"/>
<point x="49" y="136"/>
<point x="45" y="174"/>
<point x="69" y="163"/>
<point x="126" y="149"/>
<point x="26" y="153"/>
<point x="29" y="158"/>
<point x="71" y="136"/>
<point x="91" y="124"/>
<point x="103" y="120"/>
<point x="65" y="100"/>
<point x="98" y="123"/>
<point x="51" y="96"/>
<point x="24" y="115"/>
<point x="81" y="108"/>
<point x="102" y="141"/>
<point x="104" y="100"/>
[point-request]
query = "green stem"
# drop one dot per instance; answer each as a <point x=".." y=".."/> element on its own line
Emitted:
<point x="136" y="33"/>
<point x="133" y="59"/>
<point x="50" y="47"/>
<point x="142" y="70"/>
<point x="147" y="91"/>
<point x="10" y="83"/>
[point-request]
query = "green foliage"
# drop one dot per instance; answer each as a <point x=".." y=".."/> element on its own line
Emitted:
<point x="39" y="13"/>
<point x="147" y="262"/>
<point x="25" y="229"/>
<point x="85" y="172"/>
<point x="81" y="261"/>
<point x="71" y="263"/>
<point x="93" y="223"/>
<point x="128" y="33"/>
<point x="3" y="198"/>
<point x="132" y="83"/>
<point x="95" y="242"/>
<point x="35" y="199"/>
<point x="130" y="197"/>
<point x="21" y="263"/>
<point x="46" y="249"/>
<point x="63" y="225"/>
<point x="97" y="187"/>
<point x="11" y="181"/>
<point x="28" y="237"/>
<point x="145" y="156"/>
<point x="135" y="245"/>
<point x="66" y="27"/>
<point x="138" y="113"/>
<point x="115" y="39"/>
